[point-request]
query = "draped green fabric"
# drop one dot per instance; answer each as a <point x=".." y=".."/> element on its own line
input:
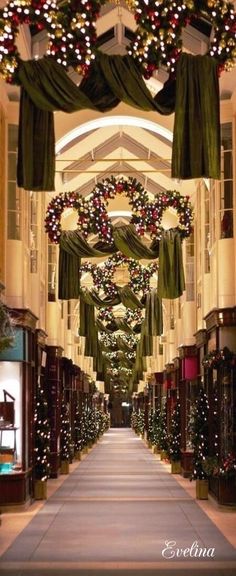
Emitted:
<point x="73" y="247"/>
<point x="46" y="87"/>
<point x="171" y="283"/>
<point x="153" y="322"/>
<point x="35" y="165"/>
<point x="125" y="295"/>
<point x="122" y="345"/>
<point x="129" y="298"/>
<point x="68" y="276"/>
<point x="83" y="314"/>
<point x="129" y="243"/>
<point x="196" y="142"/>
<point x="92" y="298"/>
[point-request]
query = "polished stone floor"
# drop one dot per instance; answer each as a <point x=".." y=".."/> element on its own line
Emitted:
<point x="115" y="514"/>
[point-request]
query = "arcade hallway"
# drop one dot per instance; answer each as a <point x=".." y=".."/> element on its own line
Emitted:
<point x="112" y="516"/>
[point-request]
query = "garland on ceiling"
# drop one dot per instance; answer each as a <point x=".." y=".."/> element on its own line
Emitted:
<point x="72" y="37"/>
<point x="93" y="216"/>
<point x="111" y="341"/>
<point x="132" y="317"/>
<point x="103" y="275"/>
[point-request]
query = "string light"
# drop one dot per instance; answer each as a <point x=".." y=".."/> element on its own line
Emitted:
<point x="103" y="275"/>
<point x="93" y="216"/>
<point x="72" y="36"/>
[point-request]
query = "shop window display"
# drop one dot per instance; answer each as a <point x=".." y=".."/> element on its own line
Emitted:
<point x="10" y="418"/>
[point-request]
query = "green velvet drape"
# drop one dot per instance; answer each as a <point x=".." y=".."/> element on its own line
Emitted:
<point x="171" y="283"/>
<point x="73" y="247"/>
<point x="196" y="142"/>
<point x="153" y="321"/>
<point x="130" y="244"/>
<point x="46" y="87"/>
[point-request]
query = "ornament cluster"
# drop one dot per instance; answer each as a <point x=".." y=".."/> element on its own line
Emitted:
<point x="72" y="36"/>
<point x="93" y="217"/>
<point x="103" y="275"/>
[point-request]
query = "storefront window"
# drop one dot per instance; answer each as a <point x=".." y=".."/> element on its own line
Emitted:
<point x="189" y="275"/>
<point x="207" y="230"/>
<point x="14" y="194"/>
<point x="10" y="417"/>
<point x="52" y="264"/>
<point x="33" y="232"/>
<point x="226" y="183"/>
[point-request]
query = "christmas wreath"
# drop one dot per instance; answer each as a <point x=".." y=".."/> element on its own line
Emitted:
<point x="72" y="39"/>
<point x="111" y="341"/>
<point x="103" y="275"/>
<point x="158" y="39"/>
<point x="132" y="317"/>
<point x="93" y="217"/>
<point x="70" y="27"/>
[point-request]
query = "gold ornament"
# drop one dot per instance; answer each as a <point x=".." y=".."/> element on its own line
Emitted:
<point x="58" y="33"/>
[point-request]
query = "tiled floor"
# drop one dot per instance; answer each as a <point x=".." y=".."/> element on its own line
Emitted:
<point x="114" y="514"/>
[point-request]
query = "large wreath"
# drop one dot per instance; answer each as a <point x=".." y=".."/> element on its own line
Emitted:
<point x="93" y="217"/>
<point x="103" y="275"/>
<point x="72" y="39"/>
<point x="158" y="36"/>
<point x="111" y="341"/>
<point x="132" y="317"/>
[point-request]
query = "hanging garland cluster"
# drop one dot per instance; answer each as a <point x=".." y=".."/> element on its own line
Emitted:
<point x="55" y="210"/>
<point x="219" y="359"/>
<point x="93" y="216"/>
<point x="72" y="38"/>
<point x="103" y="275"/>
<point x="70" y="27"/>
<point x="158" y="39"/>
<point x="111" y="341"/>
<point x="132" y="317"/>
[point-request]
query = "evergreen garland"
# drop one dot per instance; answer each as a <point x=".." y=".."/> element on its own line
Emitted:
<point x="150" y="434"/>
<point x="156" y="427"/>
<point x="92" y="426"/>
<point x="6" y="330"/>
<point x="175" y="435"/>
<point x="65" y="433"/>
<point x="199" y="432"/>
<point x="42" y="436"/>
<point x="84" y="427"/>
<point x="78" y="440"/>
<point x="163" y="433"/>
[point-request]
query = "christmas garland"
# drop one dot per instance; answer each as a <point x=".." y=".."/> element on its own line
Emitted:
<point x="158" y="39"/>
<point x="132" y="317"/>
<point x="215" y="359"/>
<point x="71" y="31"/>
<point x="72" y="39"/>
<point x="93" y="217"/>
<point x="110" y="341"/>
<point x="103" y="275"/>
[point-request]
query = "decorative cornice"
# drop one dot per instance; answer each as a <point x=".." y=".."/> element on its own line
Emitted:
<point x="219" y="317"/>
<point x="187" y="351"/>
<point x="41" y="336"/>
<point x="201" y="337"/>
<point x="23" y="317"/>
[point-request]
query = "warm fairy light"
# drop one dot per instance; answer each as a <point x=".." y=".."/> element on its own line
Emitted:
<point x="103" y="274"/>
<point x="71" y="30"/>
<point x="158" y="40"/>
<point x="93" y="216"/>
